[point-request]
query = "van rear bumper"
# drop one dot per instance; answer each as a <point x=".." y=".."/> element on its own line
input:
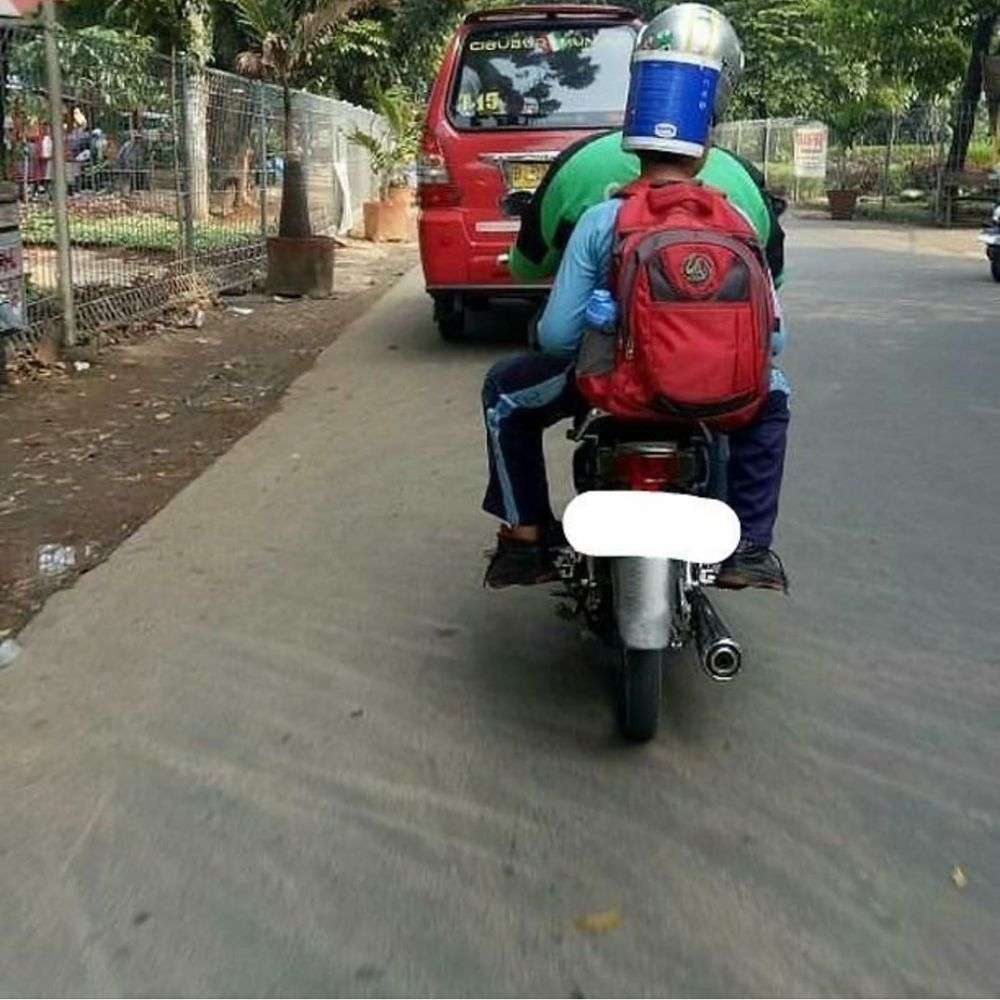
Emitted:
<point x="453" y="259"/>
<point x="508" y="290"/>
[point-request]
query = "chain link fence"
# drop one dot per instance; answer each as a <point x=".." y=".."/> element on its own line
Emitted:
<point x="173" y="177"/>
<point x="900" y="167"/>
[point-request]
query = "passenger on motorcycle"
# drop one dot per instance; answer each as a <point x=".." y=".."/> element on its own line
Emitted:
<point x="525" y="394"/>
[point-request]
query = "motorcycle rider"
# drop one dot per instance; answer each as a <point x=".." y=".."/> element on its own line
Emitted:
<point x="525" y="394"/>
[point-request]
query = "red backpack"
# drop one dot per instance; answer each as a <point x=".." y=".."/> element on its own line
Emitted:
<point x="695" y="307"/>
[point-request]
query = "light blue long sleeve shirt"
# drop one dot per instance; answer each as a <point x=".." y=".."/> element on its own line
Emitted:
<point x="586" y="265"/>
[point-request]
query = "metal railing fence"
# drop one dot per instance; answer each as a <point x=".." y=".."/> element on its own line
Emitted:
<point x="173" y="177"/>
<point x="900" y="165"/>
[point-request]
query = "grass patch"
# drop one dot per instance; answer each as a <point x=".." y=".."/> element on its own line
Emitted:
<point x="911" y="213"/>
<point x="143" y="233"/>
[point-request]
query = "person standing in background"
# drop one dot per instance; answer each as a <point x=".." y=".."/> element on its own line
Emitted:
<point x="45" y="153"/>
<point x="77" y="150"/>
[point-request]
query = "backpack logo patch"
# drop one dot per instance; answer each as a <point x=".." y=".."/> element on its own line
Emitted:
<point x="698" y="269"/>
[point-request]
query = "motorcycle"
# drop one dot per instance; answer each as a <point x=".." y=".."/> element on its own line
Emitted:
<point x="991" y="237"/>
<point x="646" y="533"/>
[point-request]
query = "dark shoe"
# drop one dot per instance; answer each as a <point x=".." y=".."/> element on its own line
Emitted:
<point x="555" y="537"/>
<point x="516" y="563"/>
<point x="752" y="566"/>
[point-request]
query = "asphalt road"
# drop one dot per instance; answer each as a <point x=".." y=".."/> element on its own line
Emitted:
<point x="283" y="742"/>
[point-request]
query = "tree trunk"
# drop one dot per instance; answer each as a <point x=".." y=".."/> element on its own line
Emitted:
<point x="196" y="33"/>
<point x="294" y="219"/>
<point x="964" y="119"/>
<point x="196" y="141"/>
<point x="991" y="84"/>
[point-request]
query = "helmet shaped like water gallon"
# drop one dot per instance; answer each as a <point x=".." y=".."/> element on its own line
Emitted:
<point x="686" y="64"/>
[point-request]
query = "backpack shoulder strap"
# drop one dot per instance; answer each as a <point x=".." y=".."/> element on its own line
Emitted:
<point x="632" y="214"/>
<point x="630" y="220"/>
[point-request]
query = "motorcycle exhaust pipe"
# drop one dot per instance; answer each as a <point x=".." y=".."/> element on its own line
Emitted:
<point x="720" y="654"/>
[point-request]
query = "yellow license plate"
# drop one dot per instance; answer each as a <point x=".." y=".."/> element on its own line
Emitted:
<point x="526" y="176"/>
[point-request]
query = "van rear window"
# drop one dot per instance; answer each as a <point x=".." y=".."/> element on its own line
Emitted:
<point x="525" y="77"/>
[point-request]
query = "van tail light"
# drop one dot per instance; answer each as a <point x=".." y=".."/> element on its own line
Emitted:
<point x="434" y="185"/>
<point x="650" y="467"/>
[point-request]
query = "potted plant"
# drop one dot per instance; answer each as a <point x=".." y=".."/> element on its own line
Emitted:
<point x="846" y="122"/>
<point x="288" y="32"/>
<point x="391" y="146"/>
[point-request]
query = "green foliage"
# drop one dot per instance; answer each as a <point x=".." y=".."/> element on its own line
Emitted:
<point x="918" y="46"/>
<point x="150" y="233"/>
<point x="85" y="13"/>
<point x="288" y="34"/>
<point x="981" y="156"/>
<point x="804" y="57"/>
<point x="175" y="25"/>
<point x="356" y="62"/>
<point x="790" y="69"/>
<point x="419" y="33"/>
<point x="392" y="149"/>
<point x="102" y="65"/>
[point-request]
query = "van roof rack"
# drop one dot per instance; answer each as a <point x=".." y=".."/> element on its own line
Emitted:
<point x="552" y="12"/>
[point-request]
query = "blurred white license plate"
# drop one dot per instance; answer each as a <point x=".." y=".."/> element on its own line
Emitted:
<point x="619" y="523"/>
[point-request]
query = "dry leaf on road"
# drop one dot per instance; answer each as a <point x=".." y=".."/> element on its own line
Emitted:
<point x="600" y="922"/>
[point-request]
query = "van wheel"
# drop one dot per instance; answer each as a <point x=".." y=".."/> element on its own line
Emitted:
<point x="449" y="314"/>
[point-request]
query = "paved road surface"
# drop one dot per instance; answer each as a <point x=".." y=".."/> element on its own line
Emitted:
<point x="283" y="743"/>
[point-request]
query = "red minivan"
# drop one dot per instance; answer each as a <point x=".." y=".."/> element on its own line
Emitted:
<point x="518" y="84"/>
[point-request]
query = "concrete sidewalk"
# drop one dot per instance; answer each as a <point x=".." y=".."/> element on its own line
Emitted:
<point x="894" y="237"/>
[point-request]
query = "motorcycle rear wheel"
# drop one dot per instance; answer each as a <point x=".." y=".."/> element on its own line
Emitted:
<point x="638" y="690"/>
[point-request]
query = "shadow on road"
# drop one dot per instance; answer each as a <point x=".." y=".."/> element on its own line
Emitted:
<point x="552" y="683"/>
<point x="499" y="326"/>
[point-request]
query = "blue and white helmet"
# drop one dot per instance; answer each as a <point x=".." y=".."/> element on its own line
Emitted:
<point x="685" y="67"/>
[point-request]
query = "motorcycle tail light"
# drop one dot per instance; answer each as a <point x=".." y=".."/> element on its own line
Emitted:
<point x="434" y="185"/>
<point x="651" y="470"/>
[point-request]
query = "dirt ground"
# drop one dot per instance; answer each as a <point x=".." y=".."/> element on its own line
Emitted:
<point x="87" y="454"/>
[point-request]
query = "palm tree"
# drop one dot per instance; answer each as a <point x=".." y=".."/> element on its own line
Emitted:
<point x="288" y="32"/>
<point x="394" y="146"/>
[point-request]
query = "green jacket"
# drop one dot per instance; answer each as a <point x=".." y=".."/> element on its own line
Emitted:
<point x="592" y="170"/>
